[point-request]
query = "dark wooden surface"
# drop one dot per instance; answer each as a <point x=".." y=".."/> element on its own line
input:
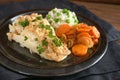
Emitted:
<point x="103" y="1"/>
<point x="108" y="12"/>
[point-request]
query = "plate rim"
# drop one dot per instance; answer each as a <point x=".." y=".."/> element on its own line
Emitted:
<point x="98" y="57"/>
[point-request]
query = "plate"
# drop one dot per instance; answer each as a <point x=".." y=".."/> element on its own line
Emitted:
<point x="20" y="60"/>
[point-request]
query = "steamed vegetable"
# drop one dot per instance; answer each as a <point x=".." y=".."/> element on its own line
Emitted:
<point x="78" y="37"/>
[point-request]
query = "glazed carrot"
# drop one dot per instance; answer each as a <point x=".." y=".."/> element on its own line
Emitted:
<point x="79" y="50"/>
<point x="62" y="29"/>
<point x="70" y="36"/>
<point x="71" y="31"/>
<point x="83" y="28"/>
<point x="94" y="32"/>
<point x="86" y="41"/>
<point x="95" y="41"/>
<point x="82" y="25"/>
<point x="85" y="34"/>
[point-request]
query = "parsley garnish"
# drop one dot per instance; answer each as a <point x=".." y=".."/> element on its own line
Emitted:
<point x="37" y="18"/>
<point x="51" y="34"/>
<point x="44" y="43"/>
<point x="24" y="23"/>
<point x="47" y="27"/>
<point x="40" y="49"/>
<point x="25" y="38"/>
<point x="36" y="39"/>
<point x="41" y="25"/>
<point x="57" y="42"/>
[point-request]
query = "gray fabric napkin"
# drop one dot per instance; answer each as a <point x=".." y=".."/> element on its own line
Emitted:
<point x="108" y="68"/>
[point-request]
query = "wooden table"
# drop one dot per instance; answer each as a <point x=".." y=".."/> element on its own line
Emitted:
<point x="108" y="12"/>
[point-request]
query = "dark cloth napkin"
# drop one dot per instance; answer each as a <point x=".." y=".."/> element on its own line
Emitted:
<point x="108" y="68"/>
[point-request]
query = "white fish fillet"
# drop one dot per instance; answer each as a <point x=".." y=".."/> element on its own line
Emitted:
<point x="31" y="36"/>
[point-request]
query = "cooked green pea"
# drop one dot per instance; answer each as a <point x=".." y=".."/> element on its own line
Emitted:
<point x="67" y="20"/>
<point x="58" y="14"/>
<point x="48" y="16"/>
<point x="57" y="19"/>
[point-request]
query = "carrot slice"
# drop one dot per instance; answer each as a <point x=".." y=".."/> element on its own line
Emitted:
<point x="82" y="25"/>
<point x="70" y="36"/>
<point x="86" y="41"/>
<point x="94" y="32"/>
<point x="85" y="34"/>
<point x="95" y="41"/>
<point x="62" y="29"/>
<point x="71" y="31"/>
<point x="79" y="50"/>
<point x="83" y="28"/>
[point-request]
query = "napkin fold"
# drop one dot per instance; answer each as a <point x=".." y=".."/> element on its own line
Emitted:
<point x="108" y="68"/>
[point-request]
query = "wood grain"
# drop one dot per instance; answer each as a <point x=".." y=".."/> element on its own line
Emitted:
<point x="103" y="1"/>
<point x="108" y="12"/>
<point x="10" y="1"/>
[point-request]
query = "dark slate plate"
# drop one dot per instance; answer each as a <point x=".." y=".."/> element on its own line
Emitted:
<point x="20" y="60"/>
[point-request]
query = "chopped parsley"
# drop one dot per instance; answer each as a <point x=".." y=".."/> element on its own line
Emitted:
<point x="25" y="38"/>
<point x="37" y="18"/>
<point x="40" y="49"/>
<point x="41" y="25"/>
<point x="44" y="43"/>
<point x="57" y="42"/>
<point x="47" y="27"/>
<point x="34" y="20"/>
<point x="24" y="23"/>
<point x="36" y="39"/>
<point x="51" y="34"/>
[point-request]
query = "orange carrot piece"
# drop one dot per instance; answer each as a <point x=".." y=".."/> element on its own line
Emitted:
<point x="86" y="41"/>
<point x="82" y="25"/>
<point x="70" y="36"/>
<point x="71" y="31"/>
<point x="79" y="50"/>
<point x="95" y="41"/>
<point x="62" y="29"/>
<point x="83" y="28"/>
<point x="85" y="34"/>
<point x="94" y="32"/>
